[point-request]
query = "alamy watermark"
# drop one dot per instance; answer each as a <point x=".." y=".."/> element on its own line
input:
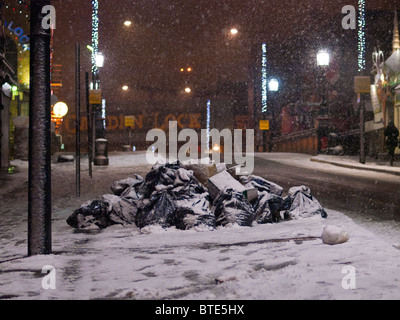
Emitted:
<point x="49" y="20"/>
<point x="349" y="20"/>
<point x="49" y="280"/>
<point x="349" y="280"/>
<point x="190" y="150"/>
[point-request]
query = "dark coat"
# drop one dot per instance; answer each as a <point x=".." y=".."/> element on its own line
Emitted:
<point x="391" y="134"/>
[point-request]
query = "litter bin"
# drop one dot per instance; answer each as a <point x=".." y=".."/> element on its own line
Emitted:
<point x="101" y="152"/>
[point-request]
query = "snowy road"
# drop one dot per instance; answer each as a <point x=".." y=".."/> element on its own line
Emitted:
<point x="367" y="195"/>
<point x="370" y="198"/>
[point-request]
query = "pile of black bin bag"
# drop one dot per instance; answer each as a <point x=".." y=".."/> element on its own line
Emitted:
<point x="171" y="195"/>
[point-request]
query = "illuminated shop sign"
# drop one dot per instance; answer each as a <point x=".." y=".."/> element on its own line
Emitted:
<point x="23" y="38"/>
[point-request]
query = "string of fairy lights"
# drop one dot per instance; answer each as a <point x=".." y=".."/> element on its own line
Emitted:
<point x="361" y="35"/>
<point x="264" y="89"/>
<point x="208" y="123"/>
<point x="95" y="34"/>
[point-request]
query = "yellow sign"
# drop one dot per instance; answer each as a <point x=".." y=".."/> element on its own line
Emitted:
<point x="264" y="124"/>
<point x="362" y="84"/>
<point x="129" y="121"/>
<point x="95" y="96"/>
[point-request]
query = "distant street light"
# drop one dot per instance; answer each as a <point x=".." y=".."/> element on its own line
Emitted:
<point x="187" y="90"/>
<point x="273" y="85"/>
<point x="234" y="31"/>
<point x="60" y="109"/>
<point x="99" y="60"/>
<point x="323" y="58"/>
<point x="127" y="23"/>
<point x="125" y="88"/>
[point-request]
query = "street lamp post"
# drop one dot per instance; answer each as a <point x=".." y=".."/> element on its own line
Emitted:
<point x="101" y="144"/>
<point x="323" y="59"/>
<point x="273" y="86"/>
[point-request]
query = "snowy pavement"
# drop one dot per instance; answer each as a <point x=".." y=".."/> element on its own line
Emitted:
<point x="353" y="162"/>
<point x="286" y="260"/>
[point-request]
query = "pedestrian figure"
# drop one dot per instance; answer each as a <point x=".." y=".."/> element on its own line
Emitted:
<point x="391" y="134"/>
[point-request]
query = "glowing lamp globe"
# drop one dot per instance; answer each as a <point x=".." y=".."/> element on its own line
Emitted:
<point x="99" y="60"/>
<point x="273" y="85"/>
<point x="323" y="58"/>
<point x="234" y="31"/>
<point x="60" y="109"/>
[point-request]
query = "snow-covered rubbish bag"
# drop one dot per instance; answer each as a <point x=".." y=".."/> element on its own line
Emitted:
<point x="303" y="204"/>
<point x="268" y="207"/>
<point x="118" y="208"/>
<point x="176" y="198"/>
<point x="111" y="209"/>
<point x="159" y="209"/>
<point x="269" y="203"/>
<point x="259" y="183"/>
<point x="169" y="196"/>
<point x="120" y="186"/>
<point x="93" y="214"/>
<point x="232" y="207"/>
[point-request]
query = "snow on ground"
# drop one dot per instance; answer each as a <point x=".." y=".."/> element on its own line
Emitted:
<point x="228" y="263"/>
<point x="249" y="263"/>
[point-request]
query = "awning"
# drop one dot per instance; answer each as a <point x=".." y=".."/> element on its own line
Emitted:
<point x="7" y="72"/>
<point x="393" y="62"/>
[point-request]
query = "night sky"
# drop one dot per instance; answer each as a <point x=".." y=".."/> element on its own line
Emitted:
<point x="166" y="35"/>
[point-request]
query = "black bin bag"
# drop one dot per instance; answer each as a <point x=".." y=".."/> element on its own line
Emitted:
<point x="100" y="214"/>
<point x="268" y="207"/>
<point x="233" y="207"/>
<point x="92" y="215"/>
<point x="159" y="209"/>
<point x="262" y="185"/>
<point x="119" y="186"/>
<point x="303" y="204"/>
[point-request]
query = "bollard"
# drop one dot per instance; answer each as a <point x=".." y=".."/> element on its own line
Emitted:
<point x="101" y="152"/>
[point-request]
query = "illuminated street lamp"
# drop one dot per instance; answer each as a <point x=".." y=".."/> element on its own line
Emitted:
<point x="60" y="109"/>
<point x="234" y="31"/>
<point x="273" y="85"/>
<point x="323" y="58"/>
<point x="127" y="23"/>
<point x="99" y="60"/>
<point x="188" y="90"/>
<point x="125" y="88"/>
